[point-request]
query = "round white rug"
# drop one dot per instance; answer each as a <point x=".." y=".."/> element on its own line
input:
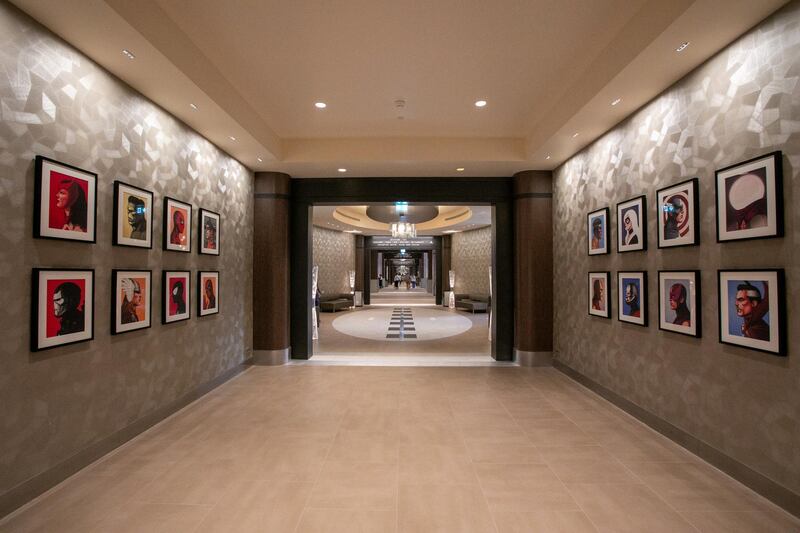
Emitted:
<point x="402" y="324"/>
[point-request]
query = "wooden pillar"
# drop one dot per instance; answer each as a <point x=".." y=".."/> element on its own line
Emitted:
<point x="533" y="243"/>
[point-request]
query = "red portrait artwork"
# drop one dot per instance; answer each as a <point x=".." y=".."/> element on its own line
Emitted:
<point x="66" y="299"/>
<point x="68" y="208"/>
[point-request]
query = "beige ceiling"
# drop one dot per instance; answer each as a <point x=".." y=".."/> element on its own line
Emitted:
<point x="354" y="218"/>
<point x="548" y="68"/>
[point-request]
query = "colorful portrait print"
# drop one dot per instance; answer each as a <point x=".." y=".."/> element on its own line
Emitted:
<point x="677" y="212"/>
<point x="597" y="232"/>
<point x="133" y="216"/>
<point x="65" y="201"/>
<point x="632" y="294"/>
<point x="599" y="303"/>
<point x="177" y="226"/>
<point x="207" y="293"/>
<point x="751" y="308"/>
<point x="678" y="294"/>
<point x="750" y="199"/>
<point x="209" y="232"/>
<point x="632" y="222"/>
<point x="176" y="296"/>
<point x="131" y="306"/>
<point x="63" y="302"/>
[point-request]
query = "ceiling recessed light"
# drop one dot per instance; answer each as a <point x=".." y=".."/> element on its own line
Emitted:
<point x="575" y="134"/>
<point x="548" y="157"/>
<point x="320" y="105"/>
<point x="193" y="106"/>
<point x="480" y="103"/>
<point x="615" y="102"/>
<point x="231" y="137"/>
<point x="682" y="47"/>
<point x="460" y="169"/>
<point x="127" y="53"/>
<point x="260" y="160"/>
<point x="342" y="170"/>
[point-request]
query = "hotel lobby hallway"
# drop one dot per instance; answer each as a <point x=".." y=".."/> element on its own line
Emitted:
<point x="386" y="449"/>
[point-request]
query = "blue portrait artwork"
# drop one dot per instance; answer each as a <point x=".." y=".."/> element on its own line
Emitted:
<point x="630" y="231"/>
<point x="598" y="232"/>
<point x="676" y="304"/>
<point x="631" y="301"/>
<point x="748" y="309"/>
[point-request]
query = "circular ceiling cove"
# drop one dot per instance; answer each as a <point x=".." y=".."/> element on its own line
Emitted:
<point x="416" y="214"/>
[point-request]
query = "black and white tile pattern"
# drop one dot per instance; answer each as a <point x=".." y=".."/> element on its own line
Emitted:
<point x="401" y="324"/>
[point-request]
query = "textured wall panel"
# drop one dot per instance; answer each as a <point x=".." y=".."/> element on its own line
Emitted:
<point x="335" y="253"/>
<point x="471" y="260"/>
<point x="55" y="102"/>
<point x="743" y="102"/>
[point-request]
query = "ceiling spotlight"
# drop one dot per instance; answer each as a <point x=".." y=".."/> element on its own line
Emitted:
<point x="548" y="157"/>
<point x="231" y="137"/>
<point x="615" y="102"/>
<point x="460" y="169"/>
<point x="320" y="105"/>
<point x="682" y="47"/>
<point x="480" y="103"/>
<point x="575" y="134"/>
<point x="342" y="170"/>
<point x="127" y="53"/>
<point x="260" y="160"/>
<point x="193" y="106"/>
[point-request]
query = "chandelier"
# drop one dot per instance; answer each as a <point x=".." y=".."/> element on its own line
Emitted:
<point x="403" y="230"/>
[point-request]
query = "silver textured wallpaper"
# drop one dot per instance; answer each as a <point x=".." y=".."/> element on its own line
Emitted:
<point x="471" y="258"/>
<point x="335" y="253"/>
<point x="742" y="103"/>
<point x="57" y="103"/>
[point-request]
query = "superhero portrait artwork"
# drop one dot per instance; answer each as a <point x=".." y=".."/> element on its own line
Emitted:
<point x="132" y="302"/>
<point x="63" y="307"/>
<point x="677" y="215"/>
<point x="751" y="309"/>
<point x="678" y="294"/>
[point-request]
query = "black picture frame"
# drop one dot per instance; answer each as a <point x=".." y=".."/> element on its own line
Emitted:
<point x="201" y="231"/>
<point x="119" y="329"/>
<point x="200" y="275"/>
<point x="41" y="205"/>
<point x="694" y="185"/>
<point x="37" y="303"/>
<point x="780" y="346"/>
<point x="115" y="237"/>
<point x="607" y="277"/>
<point x="773" y="160"/>
<point x="606" y="214"/>
<point x="187" y="275"/>
<point x="641" y="201"/>
<point x="643" y="290"/>
<point x="167" y="245"/>
<point x="698" y="308"/>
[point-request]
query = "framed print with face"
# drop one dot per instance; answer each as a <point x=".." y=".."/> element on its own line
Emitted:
<point x="209" y="232"/>
<point x="678" y="295"/>
<point x="678" y="208"/>
<point x="175" y="296"/>
<point x="177" y="225"/>
<point x="133" y="216"/>
<point x="632" y="295"/>
<point x="597" y="231"/>
<point x="632" y="225"/>
<point x="599" y="301"/>
<point x="750" y="199"/>
<point x="65" y="202"/>
<point x="207" y="293"/>
<point x="131" y="300"/>
<point x="752" y="309"/>
<point x="62" y="310"/>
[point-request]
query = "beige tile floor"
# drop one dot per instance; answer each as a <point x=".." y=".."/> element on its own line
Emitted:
<point x="393" y="449"/>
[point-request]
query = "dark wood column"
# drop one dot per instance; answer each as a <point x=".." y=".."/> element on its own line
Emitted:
<point x="533" y="243"/>
<point x="361" y="268"/>
<point x="271" y="268"/>
<point x="447" y="258"/>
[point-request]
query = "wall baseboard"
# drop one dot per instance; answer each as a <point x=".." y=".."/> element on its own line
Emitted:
<point x="776" y="493"/>
<point x="524" y="358"/>
<point x="271" y="357"/>
<point x="41" y="483"/>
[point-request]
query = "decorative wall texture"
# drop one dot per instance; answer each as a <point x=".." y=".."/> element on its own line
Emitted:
<point x="742" y="103"/>
<point x="471" y="260"/>
<point x="57" y="103"/>
<point x="335" y="253"/>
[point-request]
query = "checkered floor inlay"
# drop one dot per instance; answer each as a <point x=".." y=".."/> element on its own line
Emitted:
<point x="401" y="325"/>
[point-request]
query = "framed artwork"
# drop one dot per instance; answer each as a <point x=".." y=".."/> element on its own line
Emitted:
<point x="750" y="199"/>
<point x="175" y="296"/>
<point x="207" y="293"/>
<point x="632" y="295"/>
<point x="599" y="302"/>
<point x="177" y="225"/>
<point x="65" y="202"/>
<point x="131" y="300"/>
<point x="209" y="230"/>
<point x="678" y="296"/>
<point x="752" y="309"/>
<point x="597" y="231"/>
<point x="62" y="310"/>
<point x="632" y="225"/>
<point x="678" y="209"/>
<point x="133" y="216"/>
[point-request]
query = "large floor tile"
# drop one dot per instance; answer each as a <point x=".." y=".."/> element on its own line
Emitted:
<point x="436" y="464"/>
<point x="585" y="464"/>
<point x="523" y="487"/>
<point x="443" y="509"/>
<point x="347" y="521"/>
<point x="543" y="522"/>
<point x="355" y="485"/>
<point x="775" y="521"/>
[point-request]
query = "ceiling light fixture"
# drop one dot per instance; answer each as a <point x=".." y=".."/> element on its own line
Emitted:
<point x="127" y="53"/>
<point x="480" y="103"/>
<point x="575" y="134"/>
<point x="320" y="105"/>
<point x="460" y="169"/>
<point x="342" y="170"/>
<point x="193" y="106"/>
<point x="682" y="47"/>
<point x="231" y="137"/>
<point x="403" y="230"/>
<point x="260" y="160"/>
<point x="548" y="157"/>
<point x="615" y="102"/>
